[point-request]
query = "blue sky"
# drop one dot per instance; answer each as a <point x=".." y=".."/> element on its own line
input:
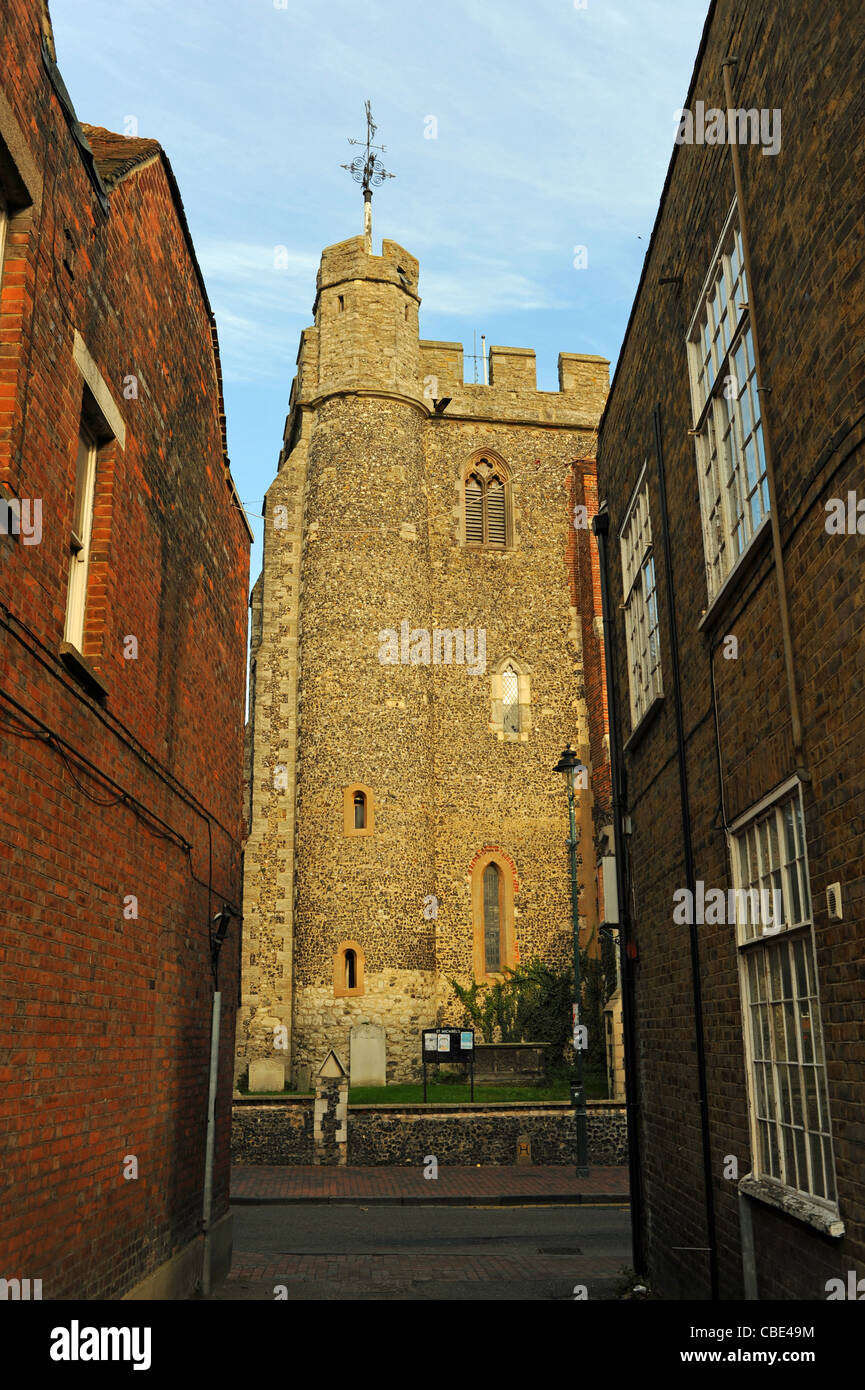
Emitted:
<point x="554" y="128"/>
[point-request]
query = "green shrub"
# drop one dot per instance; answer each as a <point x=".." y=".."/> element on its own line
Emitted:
<point x="534" y="1004"/>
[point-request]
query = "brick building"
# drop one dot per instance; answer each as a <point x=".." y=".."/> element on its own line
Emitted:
<point x="424" y="646"/>
<point x="730" y="470"/>
<point x="123" y="568"/>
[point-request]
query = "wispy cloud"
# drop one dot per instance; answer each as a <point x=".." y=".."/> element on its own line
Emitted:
<point x="554" y="128"/>
<point x="262" y="297"/>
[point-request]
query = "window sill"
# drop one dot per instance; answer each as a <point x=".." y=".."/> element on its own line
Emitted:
<point x="823" y="1218"/>
<point x="747" y="561"/>
<point x="646" y="720"/>
<point x="81" y="669"/>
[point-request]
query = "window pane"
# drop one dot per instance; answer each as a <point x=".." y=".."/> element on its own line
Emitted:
<point x="801" y="972"/>
<point x="819" y="1180"/>
<point x="474" y="510"/>
<point x="766" y="1155"/>
<point x="829" y="1170"/>
<point x="802" y="1178"/>
<point x="495" y="512"/>
<point x="511" y="701"/>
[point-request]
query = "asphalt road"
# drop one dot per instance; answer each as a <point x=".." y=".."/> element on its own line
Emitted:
<point x="343" y="1253"/>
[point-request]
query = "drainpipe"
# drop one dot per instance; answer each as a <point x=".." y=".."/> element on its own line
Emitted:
<point x="690" y="873"/>
<point x="601" y="527"/>
<point x="211" y="1135"/>
<point x="767" y="434"/>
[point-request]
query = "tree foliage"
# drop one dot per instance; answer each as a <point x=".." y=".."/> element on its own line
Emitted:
<point x="533" y="1004"/>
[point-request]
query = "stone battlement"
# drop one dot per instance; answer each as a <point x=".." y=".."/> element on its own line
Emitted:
<point x="584" y="378"/>
<point x="365" y="339"/>
<point x="350" y="260"/>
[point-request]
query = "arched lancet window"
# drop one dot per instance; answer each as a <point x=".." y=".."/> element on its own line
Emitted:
<point x="493" y="880"/>
<point x="486" y="503"/>
<point x="510" y="701"/>
<point x="350" y="970"/>
<point x="358" y="810"/>
<point x="492" y="919"/>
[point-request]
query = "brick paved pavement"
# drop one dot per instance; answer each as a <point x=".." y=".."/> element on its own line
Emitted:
<point x="278" y="1259"/>
<point x="259" y="1183"/>
<point x="423" y="1268"/>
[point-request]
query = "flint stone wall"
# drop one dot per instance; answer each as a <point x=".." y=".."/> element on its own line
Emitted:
<point x="281" y="1133"/>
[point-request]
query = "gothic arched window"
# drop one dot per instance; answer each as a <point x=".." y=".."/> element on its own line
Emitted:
<point x="486" y="503"/>
<point x="494" y="947"/>
<point x="492" y="919"/>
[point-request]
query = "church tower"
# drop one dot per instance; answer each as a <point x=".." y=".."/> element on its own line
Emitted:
<point x="417" y="668"/>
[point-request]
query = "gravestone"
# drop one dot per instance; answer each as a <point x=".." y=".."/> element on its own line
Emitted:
<point x="266" y="1075"/>
<point x="330" y="1114"/>
<point x="367" y="1058"/>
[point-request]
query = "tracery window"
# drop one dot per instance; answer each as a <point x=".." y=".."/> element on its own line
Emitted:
<point x="486" y="504"/>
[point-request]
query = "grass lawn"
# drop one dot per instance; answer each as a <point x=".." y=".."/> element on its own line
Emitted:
<point x="441" y="1093"/>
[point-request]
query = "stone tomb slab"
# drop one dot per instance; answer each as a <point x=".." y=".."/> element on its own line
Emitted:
<point x="368" y="1055"/>
<point x="266" y="1075"/>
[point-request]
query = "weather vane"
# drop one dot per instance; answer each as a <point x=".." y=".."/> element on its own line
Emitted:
<point x="368" y="170"/>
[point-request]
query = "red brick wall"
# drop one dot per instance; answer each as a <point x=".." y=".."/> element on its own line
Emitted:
<point x="104" y="1020"/>
<point x="804" y="210"/>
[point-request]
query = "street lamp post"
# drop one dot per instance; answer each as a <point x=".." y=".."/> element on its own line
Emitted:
<point x="570" y="765"/>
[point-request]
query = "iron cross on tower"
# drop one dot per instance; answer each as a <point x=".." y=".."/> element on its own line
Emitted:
<point x="368" y="171"/>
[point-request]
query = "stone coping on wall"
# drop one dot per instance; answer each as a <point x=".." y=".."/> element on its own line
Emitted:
<point x="449" y="1106"/>
<point x="290" y="1098"/>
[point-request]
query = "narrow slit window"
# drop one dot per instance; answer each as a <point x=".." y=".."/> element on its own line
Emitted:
<point x="474" y="510"/>
<point x="359" y="811"/>
<point x="496" y="512"/>
<point x="350" y="970"/>
<point x="510" y="701"/>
